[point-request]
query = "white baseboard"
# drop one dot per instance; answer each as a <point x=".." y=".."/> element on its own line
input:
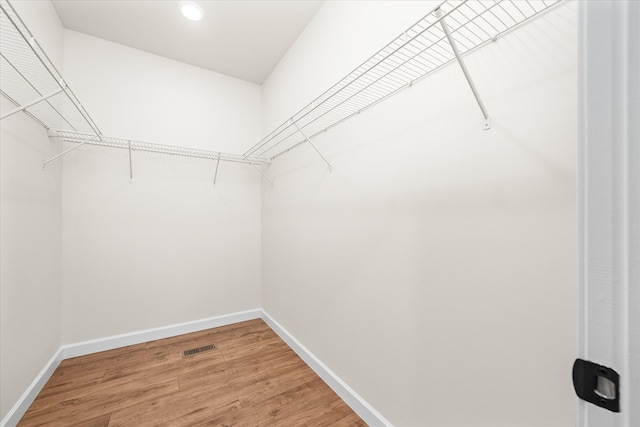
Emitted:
<point x="346" y="393"/>
<point x="109" y="343"/>
<point x="351" y="398"/>
<point x="15" y="414"/>
<point x="117" y="341"/>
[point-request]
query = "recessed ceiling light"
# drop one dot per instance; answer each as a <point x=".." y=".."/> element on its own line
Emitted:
<point x="191" y="10"/>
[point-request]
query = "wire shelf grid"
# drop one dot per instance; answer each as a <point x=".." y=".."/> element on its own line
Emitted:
<point x="106" y="141"/>
<point x="28" y="75"/>
<point x="419" y="51"/>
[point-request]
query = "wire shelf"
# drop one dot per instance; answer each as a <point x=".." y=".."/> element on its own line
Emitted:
<point x="28" y="75"/>
<point x="31" y="81"/>
<point x="419" y="51"/>
<point x="106" y="141"/>
<point x="33" y="84"/>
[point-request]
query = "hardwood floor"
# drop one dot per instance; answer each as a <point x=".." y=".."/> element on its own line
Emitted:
<point x="252" y="379"/>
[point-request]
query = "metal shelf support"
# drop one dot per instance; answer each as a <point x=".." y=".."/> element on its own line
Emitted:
<point x="130" y="163"/>
<point x="463" y="66"/>
<point x="263" y="174"/>
<point x="215" y="175"/>
<point x="86" y="141"/>
<point x="31" y="104"/>
<point x="313" y="146"/>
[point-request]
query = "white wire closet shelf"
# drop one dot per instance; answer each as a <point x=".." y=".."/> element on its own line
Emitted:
<point x="106" y="141"/>
<point x="452" y="29"/>
<point x="31" y="82"/>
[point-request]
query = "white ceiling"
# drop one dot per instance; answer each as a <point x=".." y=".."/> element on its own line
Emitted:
<point x="239" y="38"/>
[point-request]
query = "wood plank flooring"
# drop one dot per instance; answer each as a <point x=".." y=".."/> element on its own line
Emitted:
<point x="252" y="379"/>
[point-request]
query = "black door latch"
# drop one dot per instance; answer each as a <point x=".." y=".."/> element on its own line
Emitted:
<point x="597" y="384"/>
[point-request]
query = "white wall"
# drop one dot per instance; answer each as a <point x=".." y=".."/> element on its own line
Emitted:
<point x="435" y="269"/>
<point x="31" y="236"/>
<point x="168" y="247"/>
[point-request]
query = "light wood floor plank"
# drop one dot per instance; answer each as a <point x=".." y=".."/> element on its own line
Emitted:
<point x="251" y="379"/>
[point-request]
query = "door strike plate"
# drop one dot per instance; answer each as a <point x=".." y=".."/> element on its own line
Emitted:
<point x="597" y="384"/>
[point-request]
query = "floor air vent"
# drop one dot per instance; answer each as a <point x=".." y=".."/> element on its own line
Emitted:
<point x="198" y="350"/>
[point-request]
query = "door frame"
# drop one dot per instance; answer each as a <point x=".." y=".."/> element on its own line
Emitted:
<point x="609" y="200"/>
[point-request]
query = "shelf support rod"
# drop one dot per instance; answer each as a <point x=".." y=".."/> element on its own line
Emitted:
<point x="69" y="150"/>
<point x="130" y="163"/>
<point x="467" y="75"/>
<point x="313" y="146"/>
<point x="262" y="173"/>
<point x="215" y="175"/>
<point x="30" y="104"/>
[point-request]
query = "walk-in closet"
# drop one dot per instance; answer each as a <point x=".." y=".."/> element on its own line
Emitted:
<point x="320" y="213"/>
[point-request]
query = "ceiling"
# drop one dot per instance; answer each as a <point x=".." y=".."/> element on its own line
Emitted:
<point x="240" y="38"/>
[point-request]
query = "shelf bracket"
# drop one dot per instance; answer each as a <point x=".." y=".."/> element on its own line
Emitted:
<point x="215" y="175"/>
<point x="31" y="104"/>
<point x="467" y="75"/>
<point x="262" y="173"/>
<point x="69" y="150"/>
<point x="313" y="146"/>
<point x="130" y="163"/>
